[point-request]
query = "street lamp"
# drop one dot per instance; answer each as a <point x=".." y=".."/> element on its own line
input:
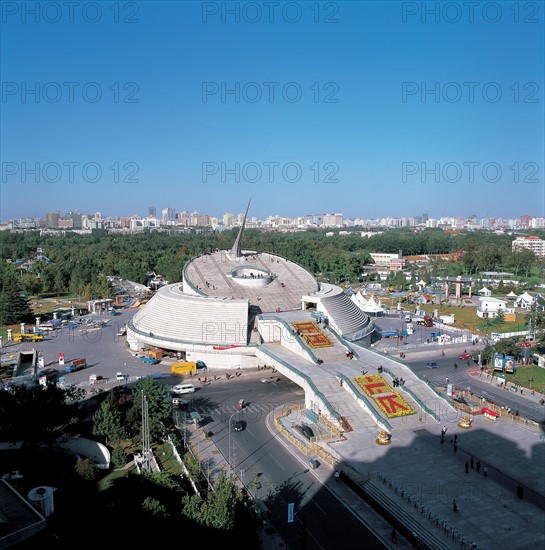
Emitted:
<point x="230" y="418"/>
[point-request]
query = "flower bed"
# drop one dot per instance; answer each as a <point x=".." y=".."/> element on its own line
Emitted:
<point x="390" y="402"/>
<point x="313" y="335"/>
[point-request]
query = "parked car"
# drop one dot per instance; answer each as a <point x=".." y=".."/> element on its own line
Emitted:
<point x="179" y="402"/>
<point x="269" y="379"/>
<point x="432" y="365"/>
<point x="305" y="430"/>
<point x="465" y="356"/>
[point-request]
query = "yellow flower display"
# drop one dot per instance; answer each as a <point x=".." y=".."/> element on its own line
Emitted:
<point x="388" y="400"/>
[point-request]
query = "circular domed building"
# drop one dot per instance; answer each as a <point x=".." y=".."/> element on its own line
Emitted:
<point x="230" y="303"/>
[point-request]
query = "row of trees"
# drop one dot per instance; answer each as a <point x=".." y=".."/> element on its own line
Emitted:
<point x="79" y="264"/>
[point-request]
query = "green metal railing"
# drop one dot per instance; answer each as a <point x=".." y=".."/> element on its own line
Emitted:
<point x="361" y="397"/>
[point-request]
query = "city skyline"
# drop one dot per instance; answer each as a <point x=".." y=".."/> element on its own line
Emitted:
<point x="170" y="217"/>
<point x="372" y="109"/>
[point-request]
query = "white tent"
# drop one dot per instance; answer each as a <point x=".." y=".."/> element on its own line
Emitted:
<point x="524" y="301"/>
<point x="485" y="291"/>
<point x="367" y="306"/>
<point x="511" y="295"/>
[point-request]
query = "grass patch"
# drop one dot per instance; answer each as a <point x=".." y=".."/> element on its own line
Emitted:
<point x="466" y="318"/>
<point x="531" y="377"/>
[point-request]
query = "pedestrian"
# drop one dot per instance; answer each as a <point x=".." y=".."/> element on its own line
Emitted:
<point x="443" y="431"/>
<point x="454" y="505"/>
<point x="478" y="466"/>
<point x="471" y="463"/>
<point x="446" y="380"/>
<point x="455" y="439"/>
<point x="394" y="536"/>
<point x="467" y="467"/>
<point x="485" y="471"/>
<point x="337" y="475"/>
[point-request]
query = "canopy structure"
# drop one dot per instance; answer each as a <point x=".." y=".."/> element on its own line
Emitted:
<point x="369" y="306"/>
<point x="485" y="291"/>
<point x="524" y="300"/>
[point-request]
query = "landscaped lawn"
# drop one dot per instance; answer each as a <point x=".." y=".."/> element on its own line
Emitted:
<point x="531" y="377"/>
<point x="466" y="318"/>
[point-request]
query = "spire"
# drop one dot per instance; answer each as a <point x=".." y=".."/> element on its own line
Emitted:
<point x="236" y="250"/>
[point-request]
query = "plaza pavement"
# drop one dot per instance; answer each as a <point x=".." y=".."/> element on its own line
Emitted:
<point x="413" y="481"/>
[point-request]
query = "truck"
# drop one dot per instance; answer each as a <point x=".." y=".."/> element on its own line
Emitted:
<point x="97" y="379"/>
<point x="186" y="367"/>
<point x="47" y="375"/>
<point x="28" y="336"/>
<point x="426" y="322"/>
<point x="76" y="364"/>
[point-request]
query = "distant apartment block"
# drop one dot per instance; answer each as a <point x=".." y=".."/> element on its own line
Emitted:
<point x="390" y="262"/>
<point x="333" y="220"/>
<point x="139" y="224"/>
<point x="532" y="243"/>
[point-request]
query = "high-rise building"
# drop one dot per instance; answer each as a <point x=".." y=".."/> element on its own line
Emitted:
<point x="333" y="220"/>
<point x="168" y="215"/>
<point x="52" y="219"/>
<point x="152" y="212"/>
<point x="228" y="219"/>
<point x="76" y="218"/>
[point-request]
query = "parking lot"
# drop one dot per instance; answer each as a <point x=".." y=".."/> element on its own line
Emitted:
<point x="96" y="339"/>
<point x="422" y="336"/>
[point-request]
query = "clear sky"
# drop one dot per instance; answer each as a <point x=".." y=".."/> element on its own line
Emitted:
<point x="367" y="108"/>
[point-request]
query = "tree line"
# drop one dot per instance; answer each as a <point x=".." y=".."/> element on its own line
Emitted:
<point x="79" y="264"/>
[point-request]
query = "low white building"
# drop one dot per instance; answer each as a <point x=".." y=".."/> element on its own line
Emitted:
<point x="490" y="306"/>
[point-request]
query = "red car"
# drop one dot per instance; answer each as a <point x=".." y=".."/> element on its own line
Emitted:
<point x="465" y="356"/>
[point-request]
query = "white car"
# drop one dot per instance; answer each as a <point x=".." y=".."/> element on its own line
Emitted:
<point x="120" y="377"/>
<point x="179" y="402"/>
<point x="270" y="379"/>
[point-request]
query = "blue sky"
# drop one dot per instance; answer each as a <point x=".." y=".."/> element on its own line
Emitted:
<point x="366" y="108"/>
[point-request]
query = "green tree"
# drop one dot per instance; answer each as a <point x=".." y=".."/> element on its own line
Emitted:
<point x="107" y="421"/>
<point x="86" y="469"/>
<point x="119" y="456"/>
<point x="223" y="509"/>
<point x="154" y="508"/>
<point x="14" y="307"/>
<point x="159" y="407"/>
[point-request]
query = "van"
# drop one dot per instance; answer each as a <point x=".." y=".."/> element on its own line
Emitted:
<point x="183" y="388"/>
